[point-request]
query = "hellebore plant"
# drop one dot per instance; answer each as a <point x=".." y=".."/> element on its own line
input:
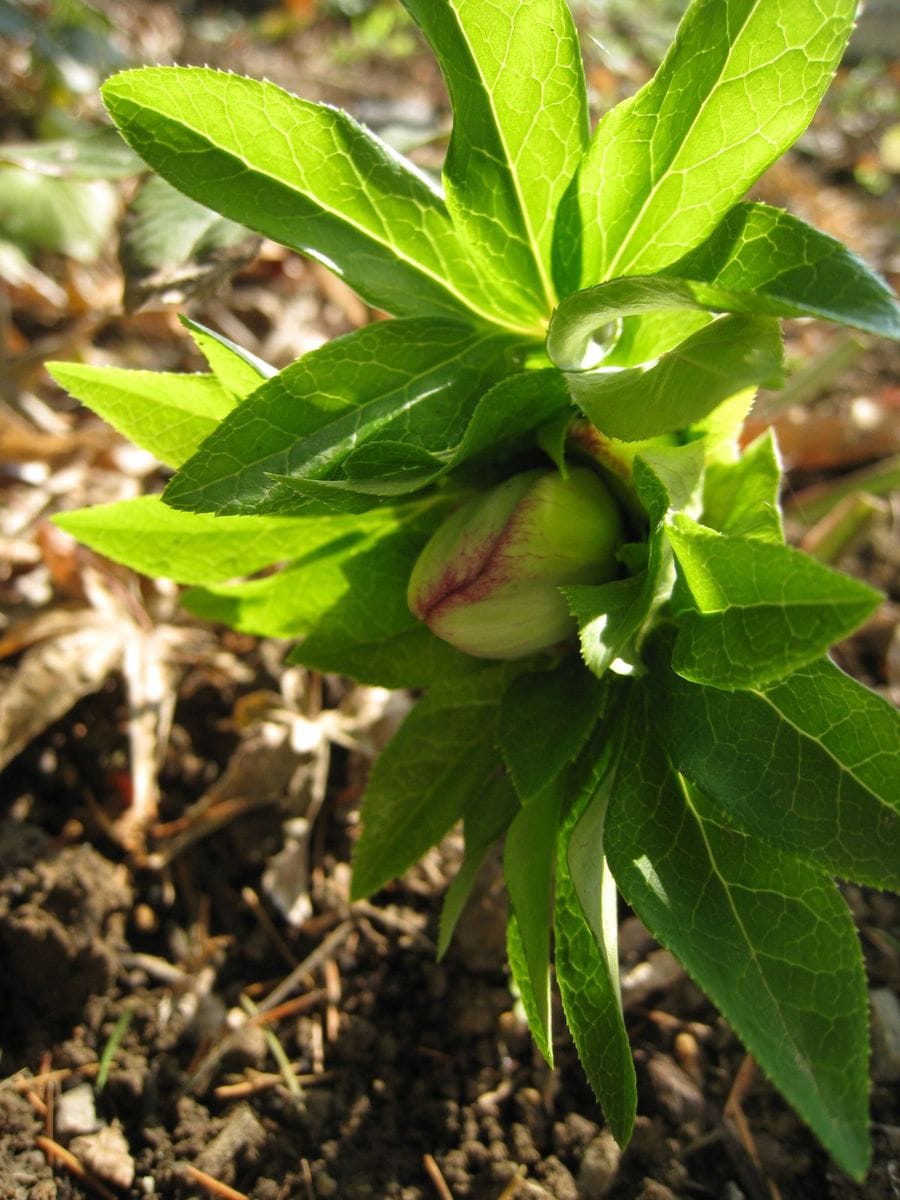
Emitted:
<point x="634" y="693"/>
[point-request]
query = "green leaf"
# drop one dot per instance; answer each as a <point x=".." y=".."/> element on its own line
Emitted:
<point x="667" y="479"/>
<point x="742" y="498"/>
<point x="653" y="334"/>
<point x="532" y="1003"/>
<point x="767" y="937"/>
<point x="167" y="414"/>
<point x="442" y="756"/>
<point x="173" y="247"/>
<point x="758" y="260"/>
<point x="516" y="83"/>
<point x="739" y="85"/>
<point x="238" y="371"/>
<point x="485" y="819"/>
<point x="761" y="610"/>
<point x="414" y="380"/>
<point x="584" y="328"/>
<point x="586" y="955"/>
<point x="504" y="423"/>
<point x="346" y="591"/>
<point x="68" y="216"/>
<point x="610" y="617"/>
<point x="509" y="413"/>
<point x="529" y="858"/>
<point x="788" y="268"/>
<point x="809" y="765"/>
<point x="545" y="719"/>
<point x="368" y="632"/>
<point x="152" y="538"/>
<point x="308" y="176"/>
<point x="686" y="384"/>
<point x="380" y="467"/>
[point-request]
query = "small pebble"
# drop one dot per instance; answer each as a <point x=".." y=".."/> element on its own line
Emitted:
<point x="107" y="1154"/>
<point x="599" y="1167"/>
<point x="75" y="1113"/>
<point x="675" y="1091"/>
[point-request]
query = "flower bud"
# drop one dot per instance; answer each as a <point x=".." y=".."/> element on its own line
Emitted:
<point x="488" y="580"/>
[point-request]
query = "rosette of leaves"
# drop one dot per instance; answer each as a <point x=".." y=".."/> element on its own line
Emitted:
<point x="598" y="296"/>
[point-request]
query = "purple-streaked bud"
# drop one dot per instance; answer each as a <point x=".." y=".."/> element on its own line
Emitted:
<point x="488" y="580"/>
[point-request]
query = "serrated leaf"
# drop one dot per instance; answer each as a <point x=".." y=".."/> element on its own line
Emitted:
<point x="545" y="719"/>
<point x="516" y="83"/>
<point x="414" y="380"/>
<point x="167" y="414"/>
<point x="238" y="371"/>
<point x="686" y="384"/>
<point x="766" y="936"/>
<point x="760" y="610"/>
<point x="653" y="334"/>
<point x="608" y="618"/>
<point x="504" y="422"/>
<point x="739" y="85"/>
<point x="198" y="548"/>
<point x="442" y="755"/>
<point x="522" y="983"/>
<point x="809" y="765"/>
<point x="666" y="479"/>
<point x="529" y="858"/>
<point x="485" y="819"/>
<point x="758" y="260"/>
<point x="509" y="413"/>
<point x="586" y="950"/>
<point x="791" y="267"/>
<point x="742" y="498"/>
<point x="308" y="176"/>
<point x="583" y="329"/>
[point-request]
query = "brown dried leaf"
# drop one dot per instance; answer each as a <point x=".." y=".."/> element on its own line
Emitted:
<point x="52" y="676"/>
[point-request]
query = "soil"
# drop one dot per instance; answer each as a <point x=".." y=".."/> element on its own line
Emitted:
<point x="411" y="1070"/>
<point x="169" y="1024"/>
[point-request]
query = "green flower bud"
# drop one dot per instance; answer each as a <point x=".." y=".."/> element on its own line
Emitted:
<point x="488" y="580"/>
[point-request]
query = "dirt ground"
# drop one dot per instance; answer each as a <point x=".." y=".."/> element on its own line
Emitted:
<point x="189" y="1004"/>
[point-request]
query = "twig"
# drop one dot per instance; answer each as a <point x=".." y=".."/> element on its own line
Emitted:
<point x="434" y="1174"/>
<point x="215" y="1187"/>
<point x="256" y="906"/>
<point x="396" y="922"/>
<point x="277" y="1051"/>
<point x="53" y="1150"/>
<point x="734" y="1112"/>
<point x="332" y="975"/>
<point x="261" y="1081"/>
<point x="39" y="1105"/>
<point x="513" y="1185"/>
<point x="308" y="1182"/>
<point x="27" y="1083"/>
<point x="311" y="963"/>
<point x="200" y="1076"/>
<point x="289" y="1008"/>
